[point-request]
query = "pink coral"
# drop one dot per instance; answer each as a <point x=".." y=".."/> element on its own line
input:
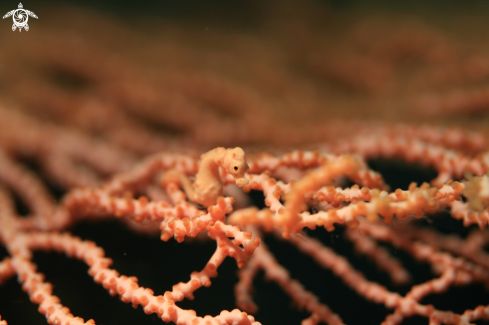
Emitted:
<point x="113" y="152"/>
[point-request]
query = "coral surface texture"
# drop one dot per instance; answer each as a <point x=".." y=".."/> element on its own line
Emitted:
<point x="244" y="162"/>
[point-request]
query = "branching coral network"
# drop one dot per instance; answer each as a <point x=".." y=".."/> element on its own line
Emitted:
<point x="198" y="143"/>
<point x="178" y="218"/>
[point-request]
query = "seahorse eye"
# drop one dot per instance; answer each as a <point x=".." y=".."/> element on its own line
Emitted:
<point x="235" y="167"/>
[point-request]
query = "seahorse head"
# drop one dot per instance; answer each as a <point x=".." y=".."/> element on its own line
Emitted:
<point x="235" y="164"/>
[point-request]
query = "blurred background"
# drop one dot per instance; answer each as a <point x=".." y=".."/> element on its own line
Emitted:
<point x="221" y="73"/>
<point x="152" y="76"/>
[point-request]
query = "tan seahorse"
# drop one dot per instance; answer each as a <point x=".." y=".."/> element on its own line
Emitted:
<point x="208" y="186"/>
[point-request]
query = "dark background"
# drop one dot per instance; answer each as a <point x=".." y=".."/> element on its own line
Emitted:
<point x="159" y="265"/>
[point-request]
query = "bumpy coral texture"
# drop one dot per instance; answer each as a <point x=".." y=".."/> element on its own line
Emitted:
<point x="254" y="133"/>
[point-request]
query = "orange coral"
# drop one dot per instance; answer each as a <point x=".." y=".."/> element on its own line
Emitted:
<point x="95" y="127"/>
